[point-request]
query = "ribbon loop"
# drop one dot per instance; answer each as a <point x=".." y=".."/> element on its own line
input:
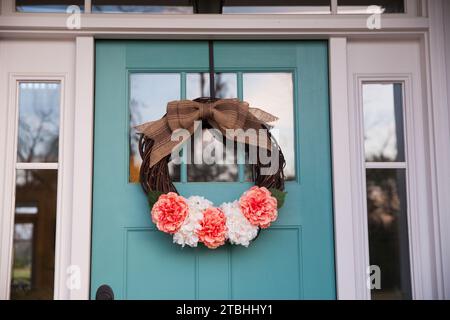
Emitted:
<point x="222" y="115"/>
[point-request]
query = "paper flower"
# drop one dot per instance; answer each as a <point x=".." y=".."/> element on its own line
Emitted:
<point x="187" y="234"/>
<point x="240" y="230"/>
<point x="169" y="212"/>
<point x="213" y="228"/>
<point x="259" y="207"/>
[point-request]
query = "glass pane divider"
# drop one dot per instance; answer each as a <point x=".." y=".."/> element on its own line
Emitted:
<point x="386" y="165"/>
<point x="184" y="151"/>
<point x="36" y="166"/>
<point x="240" y="156"/>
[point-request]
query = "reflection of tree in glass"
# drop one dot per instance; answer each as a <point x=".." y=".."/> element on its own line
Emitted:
<point x="220" y="84"/>
<point x="38" y="122"/>
<point x="34" y="238"/>
<point x="388" y="230"/>
<point x="38" y="141"/>
<point x="137" y="110"/>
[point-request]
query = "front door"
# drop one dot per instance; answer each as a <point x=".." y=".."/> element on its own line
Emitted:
<point x="294" y="258"/>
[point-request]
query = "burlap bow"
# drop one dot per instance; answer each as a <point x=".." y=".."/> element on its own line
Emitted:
<point x="222" y="115"/>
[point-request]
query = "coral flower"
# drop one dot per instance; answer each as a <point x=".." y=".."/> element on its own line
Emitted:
<point x="259" y="207"/>
<point x="213" y="228"/>
<point x="169" y="212"/>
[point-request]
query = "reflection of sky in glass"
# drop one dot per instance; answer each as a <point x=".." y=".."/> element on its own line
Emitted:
<point x="38" y="122"/>
<point x="380" y="122"/>
<point x="273" y="92"/>
<point x="149" y="95"/>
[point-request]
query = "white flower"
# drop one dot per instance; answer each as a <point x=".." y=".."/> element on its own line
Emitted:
<point x="240" y="230"/>
<point x="187" y="235"/>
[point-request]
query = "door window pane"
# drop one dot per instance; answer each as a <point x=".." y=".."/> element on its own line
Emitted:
<point x="197" y="85"/>
<point x="142" y="6"/>
<point x="39" y="108"/>
<point x="383" y="122"/>
<point x="149" y="95"/>
<point x="273" y="92"/>
<point x="388" y="232"/>
<point x="44" y="6"/>
<point x="214" y="166"/>
<point x="34" y="235"/>
<point x="361" y="6"/>
<point x="208" y="165"/>
<point x="277" y="7"/>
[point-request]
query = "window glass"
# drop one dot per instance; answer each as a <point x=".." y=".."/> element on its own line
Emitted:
<point x="208" y="160"/>
<point x="34" y="235"/>
<point x="388" y="233"/>
<point x="274" y="93"/>
<point x="387" y="197"/>
<point x="197" y="85"/>
<point x="213" y="162"/>
<point x="142" y="6"/>
<point x="50" y="6"/>
<point x="39" y="108"/>
<point x="149" y="95"/>
<point x="362" y="6"/>
<point x="276" y="7"/>
<point x="383" y="122"/>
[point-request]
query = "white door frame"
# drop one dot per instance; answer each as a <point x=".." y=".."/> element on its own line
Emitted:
<point x="338" y="30"/>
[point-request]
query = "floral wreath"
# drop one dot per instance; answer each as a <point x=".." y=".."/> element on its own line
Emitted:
<point x="195" y="219"/>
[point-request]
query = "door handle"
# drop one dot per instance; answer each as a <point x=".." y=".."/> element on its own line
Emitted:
<point x="104" y="292"/>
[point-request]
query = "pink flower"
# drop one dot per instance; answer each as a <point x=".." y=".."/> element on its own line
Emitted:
<point x="213" y="228"/>
<point x="169" y="212"/>
<point x="259" y="207"/>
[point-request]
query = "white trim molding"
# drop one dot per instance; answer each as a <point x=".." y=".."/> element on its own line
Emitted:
<point x="83" y="157"/>
<point x="439" y="141"/>
<point x="18" y="63"/>
<point x="346" y="272"/>
<point x="200" y="26"/>
<point x="11" y="165"/>
<point x="397" y="61"/>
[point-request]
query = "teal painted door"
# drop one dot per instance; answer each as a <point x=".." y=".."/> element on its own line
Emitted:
<point x="294" y="259"/>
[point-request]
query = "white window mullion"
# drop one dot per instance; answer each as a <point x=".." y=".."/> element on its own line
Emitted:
<point x="36" y="166"/>
<point x="334" y="6"/>
<point x="7" y="7"/>
<point x="385" y="165"/>
<point x="87" y="6"/>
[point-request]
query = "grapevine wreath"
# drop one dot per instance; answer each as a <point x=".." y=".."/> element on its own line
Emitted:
<point x="195" y="219"/>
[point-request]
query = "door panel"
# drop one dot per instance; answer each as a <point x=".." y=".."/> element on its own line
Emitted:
<point x="291" y="260"/>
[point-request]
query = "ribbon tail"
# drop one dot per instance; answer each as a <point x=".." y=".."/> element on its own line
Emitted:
<point x="153" y="129"/>
<point x="262" y="115"/>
